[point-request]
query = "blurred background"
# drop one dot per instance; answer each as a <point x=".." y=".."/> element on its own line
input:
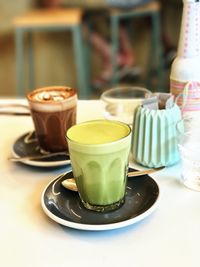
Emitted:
<point x="54" y="51"/>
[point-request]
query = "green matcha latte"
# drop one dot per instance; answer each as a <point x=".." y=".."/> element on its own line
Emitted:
<point x="99" y="152"/>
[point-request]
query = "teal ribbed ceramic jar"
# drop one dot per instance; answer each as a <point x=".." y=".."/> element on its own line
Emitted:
<point x="154" y="139"/>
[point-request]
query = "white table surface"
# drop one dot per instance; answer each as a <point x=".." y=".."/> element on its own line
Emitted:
<point x="170" y="236"/>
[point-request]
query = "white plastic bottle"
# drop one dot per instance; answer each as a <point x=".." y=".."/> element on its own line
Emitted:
<point x="185" y="69"/>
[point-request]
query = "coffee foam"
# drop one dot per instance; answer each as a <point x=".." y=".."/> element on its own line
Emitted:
<point x="53" y="98"/>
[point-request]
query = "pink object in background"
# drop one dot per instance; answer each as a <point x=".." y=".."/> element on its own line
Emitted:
<point x="187" y="95"/>
<point x="185" y="69"/>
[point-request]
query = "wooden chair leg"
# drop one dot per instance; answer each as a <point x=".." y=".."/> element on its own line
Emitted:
<point x="19" y="34"/>
<point x="115" y="47"/>
<point x="31" y="62"/>
<point x="157" y="49"/>
<point x="84" y="89"/>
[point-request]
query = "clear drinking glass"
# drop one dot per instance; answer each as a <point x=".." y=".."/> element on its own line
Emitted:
<point x="99" y="153"/>
<point x="53" y="111"/>
<point x="189" y="148"/>
<point x="120" y="103"/>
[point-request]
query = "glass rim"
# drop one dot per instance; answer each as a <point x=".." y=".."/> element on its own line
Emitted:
<point x="101" y="144"/>
<point x="106" y="94"/>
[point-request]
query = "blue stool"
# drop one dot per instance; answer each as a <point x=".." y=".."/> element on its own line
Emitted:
<point x="50" y="20"/>
<point x="155" y="63"/>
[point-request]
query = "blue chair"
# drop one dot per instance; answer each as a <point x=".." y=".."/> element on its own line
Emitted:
<point x="49" y="20"/>
<point x="155" y="62"/>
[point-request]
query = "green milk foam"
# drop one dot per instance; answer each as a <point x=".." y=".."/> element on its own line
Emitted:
<point x="98" y="132"/>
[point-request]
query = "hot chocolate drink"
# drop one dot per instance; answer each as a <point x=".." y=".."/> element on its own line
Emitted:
<point x="53" y="111"/>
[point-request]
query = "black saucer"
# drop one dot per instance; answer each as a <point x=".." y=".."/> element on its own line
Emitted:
<point x="64" y="206"/>
<point x="27" y="146"/>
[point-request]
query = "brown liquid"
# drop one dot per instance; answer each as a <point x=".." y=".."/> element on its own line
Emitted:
<point x="51" y="128"/>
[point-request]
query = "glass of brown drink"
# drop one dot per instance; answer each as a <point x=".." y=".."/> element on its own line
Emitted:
<point x="53" y="110"/>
